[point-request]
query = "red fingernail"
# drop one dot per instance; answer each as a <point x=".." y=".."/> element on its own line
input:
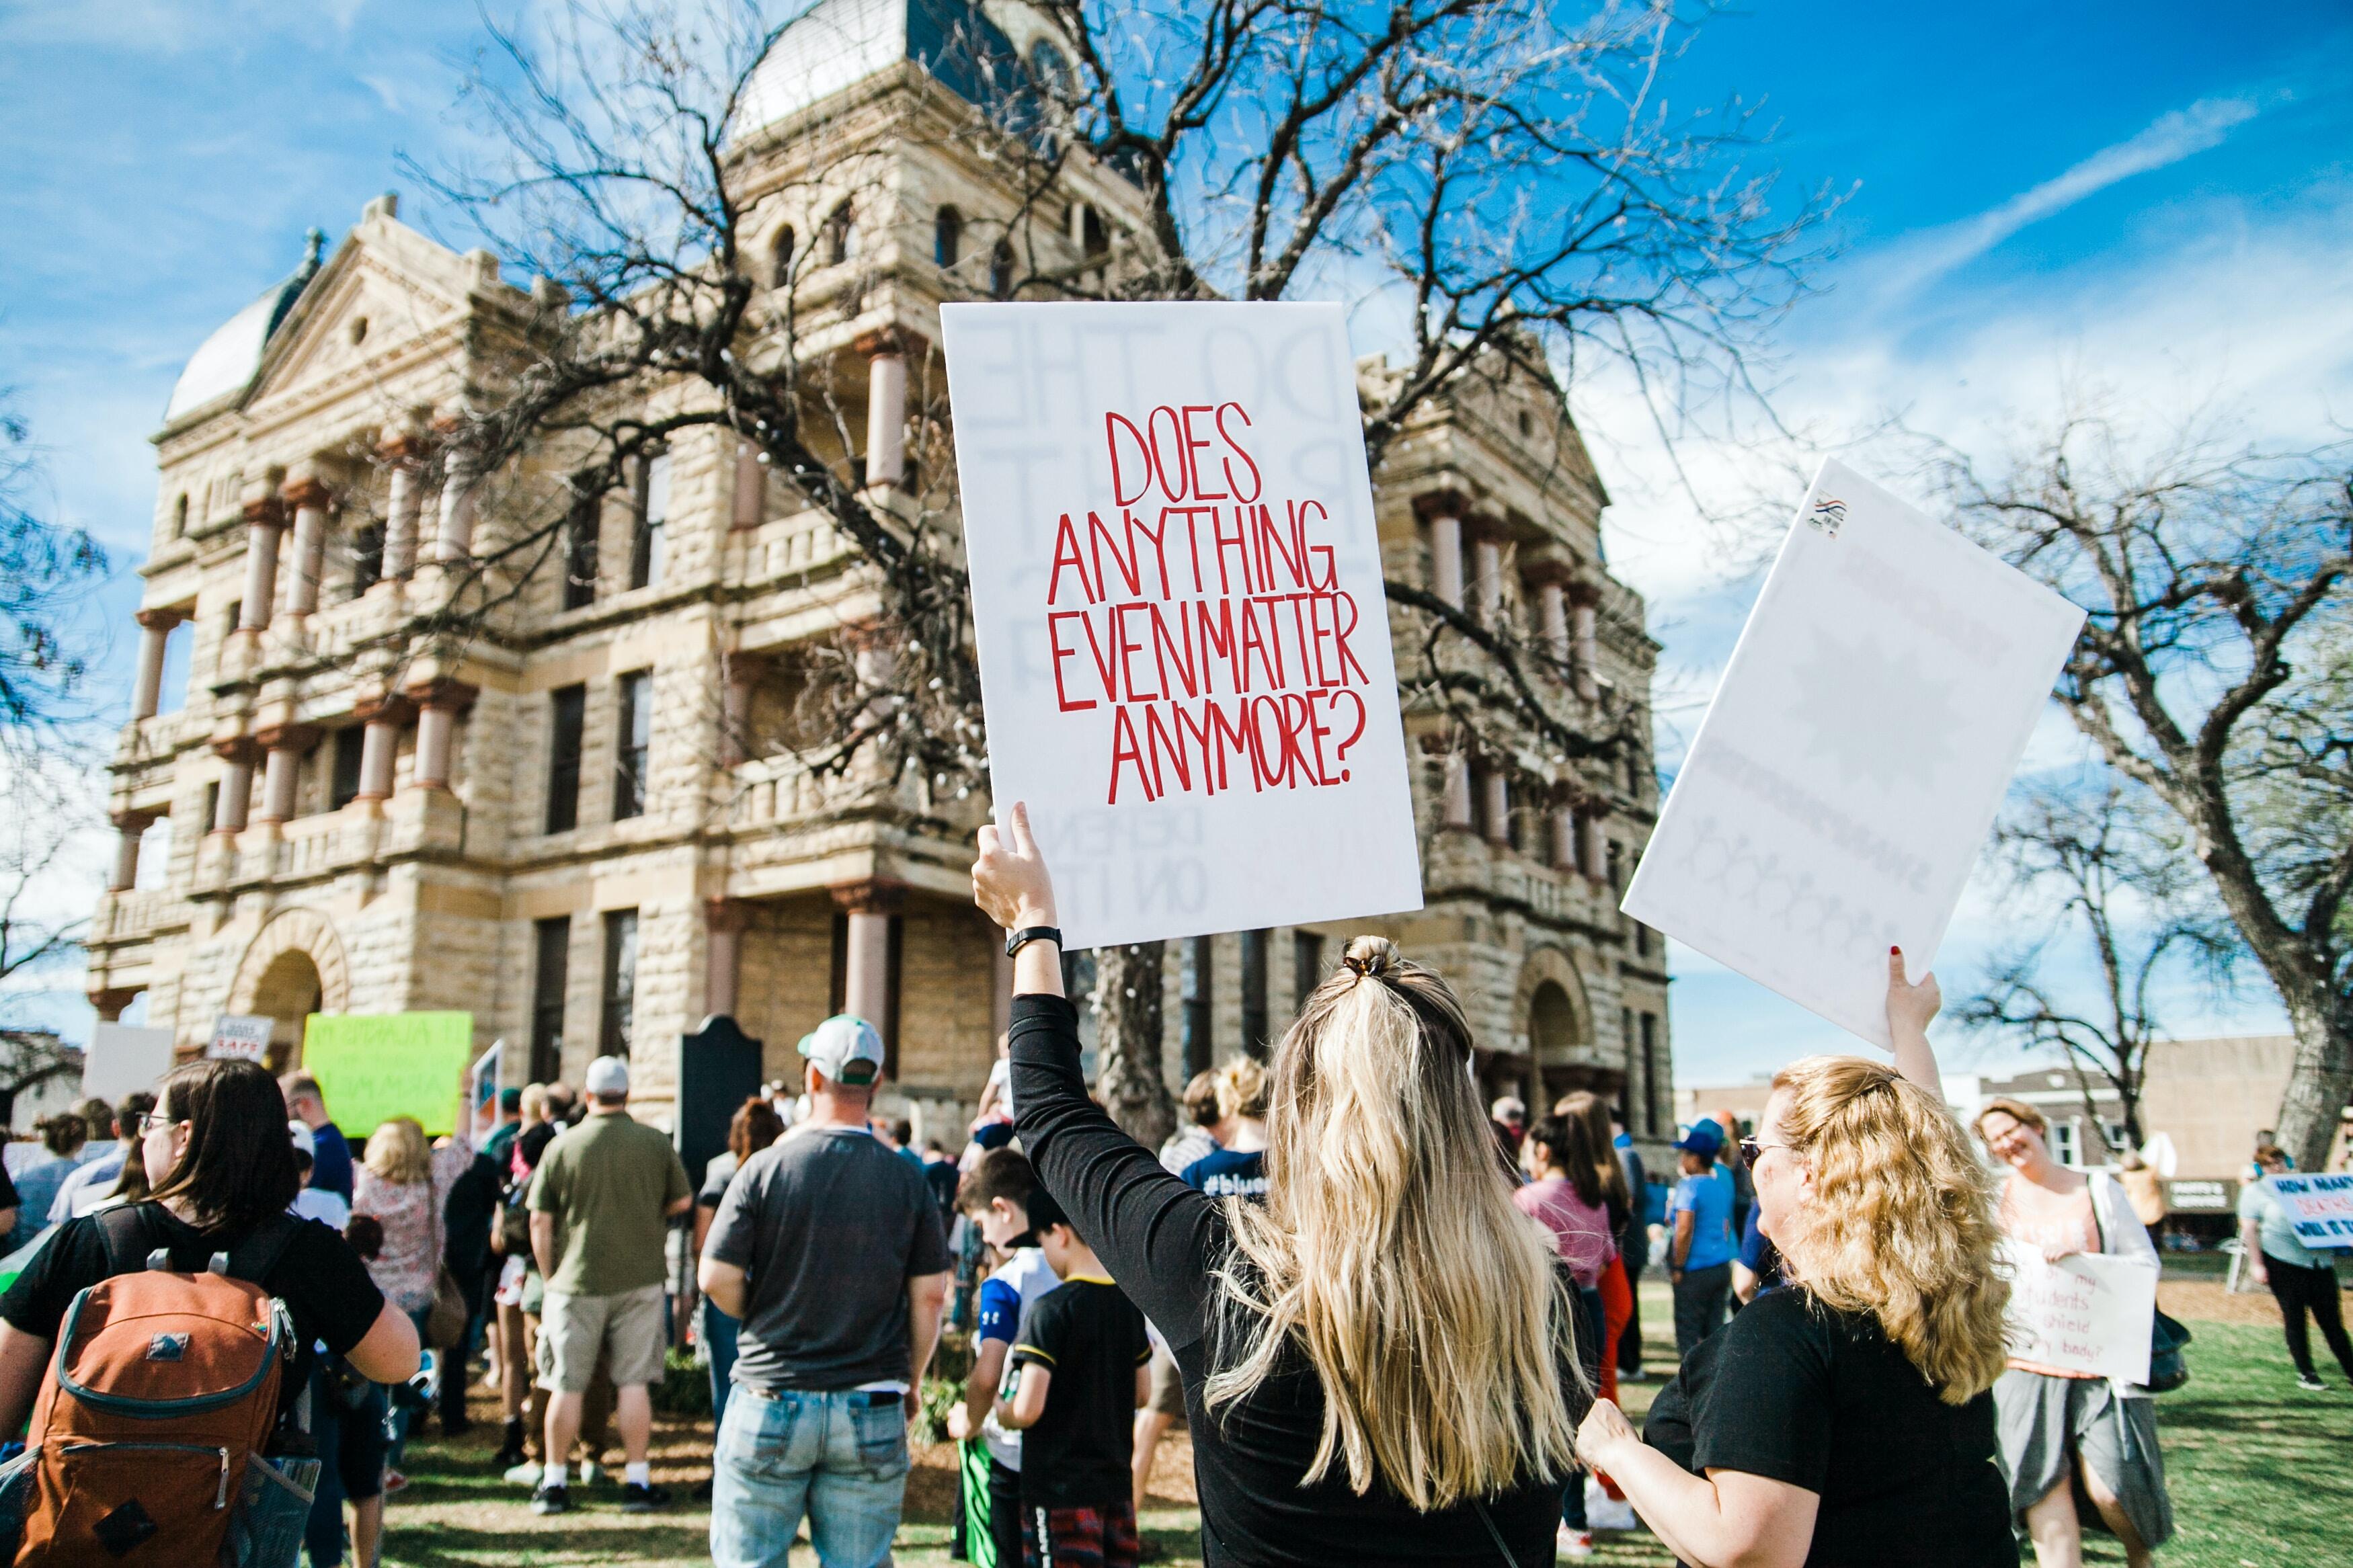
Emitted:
<point x="1896" y="950"/>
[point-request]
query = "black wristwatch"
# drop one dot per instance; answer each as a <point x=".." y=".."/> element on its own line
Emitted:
<point x="1021" y="938"/>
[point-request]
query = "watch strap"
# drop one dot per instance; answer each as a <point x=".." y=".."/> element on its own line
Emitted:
<point x="1021" y="938"/>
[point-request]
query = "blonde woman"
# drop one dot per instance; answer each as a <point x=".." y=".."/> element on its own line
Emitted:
<point x="394" y="1186"/>
<point x="1371" y="1356"/>
<point x="1847" y="1420"/>
<point x="2059" y="1426"/>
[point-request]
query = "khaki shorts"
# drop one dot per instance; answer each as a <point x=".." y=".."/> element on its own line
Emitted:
<point x="1168" y="1387"/>
<point x="573" y="1329"/>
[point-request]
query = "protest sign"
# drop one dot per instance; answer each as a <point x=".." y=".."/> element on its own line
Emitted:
<point x="482" y="1093"/>
<point x="240" y="1036"/>
<point x="1177" y="597"/>
<point x="371" y="1070"/>
<point x="2088" y="1313"/>
<point x="1856" y="750"/>
<point x="2321" y="1207"/>
<point x="121" y="1060"/>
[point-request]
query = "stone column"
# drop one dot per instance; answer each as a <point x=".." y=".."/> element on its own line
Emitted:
<point x="723" y="921"/>
<point x="1592" y="855"/>
<point x="1458" y="803"/>
<point x="264" y="522"/>
<point x="1443" y="515"/>
<point x="886" y="408"/>
<point x="380" y="744"/>
<point x="455" y="537"/>
<point x="1588" y="642"/>
<point x="735" y="711"/>
<point x="751" y="487"/>
<point x="437" y="707"/>
<point x="308" y="497"/>
<point x="1552" y="609"/>
<point x="282" y="747"/>
<point x="1487" y="558"/>
<point x="154" y="637"/>
<point x="1563" y="839"/>
<point x="235" y="784"/>
<point x="866" y="987"/>
<point x="129" y="826"/>
<point x="1498" y="802"/>
<point x="110" y="1002"/>
<point x="406" y="498"/>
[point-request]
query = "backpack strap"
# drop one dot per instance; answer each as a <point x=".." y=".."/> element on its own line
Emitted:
<point x="124" y="1234"/>
<point x="252" y="1258"/>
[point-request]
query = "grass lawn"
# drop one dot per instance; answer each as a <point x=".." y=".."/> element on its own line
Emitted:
<point x="2258" y="1472"/>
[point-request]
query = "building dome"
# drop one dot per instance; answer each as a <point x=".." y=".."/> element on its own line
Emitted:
<point x="226" y="362"/>
<point x="835" y="43"/>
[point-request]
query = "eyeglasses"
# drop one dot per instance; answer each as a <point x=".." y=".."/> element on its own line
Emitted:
<point x="155" y="1122"/>
<point x="1750" y="1149"/>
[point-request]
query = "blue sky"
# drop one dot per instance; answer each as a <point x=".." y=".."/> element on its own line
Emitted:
<point x="2152" y="198"/>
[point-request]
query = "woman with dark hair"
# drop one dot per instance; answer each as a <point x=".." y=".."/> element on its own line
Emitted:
<point x="215" y="1153"/>
<point x="1566" y="1196"/>
<point x="754" y="1126"/>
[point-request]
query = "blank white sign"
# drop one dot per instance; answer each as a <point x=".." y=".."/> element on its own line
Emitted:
<point x="122" y="1060"/>
<point x="1855" y="754"/>
<point x="1176" y="597"/>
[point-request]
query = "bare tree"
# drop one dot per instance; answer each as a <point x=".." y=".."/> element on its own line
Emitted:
<point x="2213" y="672"/>
<point x="47" y="574"/>
<point x="49" y="808"/>
<point x="2129" y="893"/>
<point x="1501" y="187"/>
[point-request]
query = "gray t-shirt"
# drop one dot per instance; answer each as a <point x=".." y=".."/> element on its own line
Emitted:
<point x="829" y="1226"/>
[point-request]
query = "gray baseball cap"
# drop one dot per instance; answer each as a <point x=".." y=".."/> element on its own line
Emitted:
<point x="845" y="1048"/>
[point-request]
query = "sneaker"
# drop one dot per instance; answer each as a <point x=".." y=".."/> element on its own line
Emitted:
<point x="1573" y="1543"/>
<point x="637" y="1499"/>
<point x="551" y="1500"/>
<point x="2304" y="1380"/>
<point x="526" y="1474"/>
<point x="1606" y="1512"/>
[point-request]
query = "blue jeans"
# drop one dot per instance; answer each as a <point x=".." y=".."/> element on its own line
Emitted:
<point x="841" y="1458"/>
<point x="719" y="1335"/>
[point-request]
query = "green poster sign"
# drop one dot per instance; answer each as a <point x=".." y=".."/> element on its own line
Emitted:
<point x="371" y="1069"/>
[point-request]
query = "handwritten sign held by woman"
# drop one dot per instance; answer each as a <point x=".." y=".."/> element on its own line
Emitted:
<point x="1176" y="593"/>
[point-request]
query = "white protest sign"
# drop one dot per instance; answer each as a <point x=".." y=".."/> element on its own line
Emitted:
<point x="2321" y="1207"/>
<point x="122" y="1060"/>
<point x="240" y="1036"/>
<point x="1855" y="754"/>
<point x="2088" y="1313"/>
<point x="1177" y="597"/>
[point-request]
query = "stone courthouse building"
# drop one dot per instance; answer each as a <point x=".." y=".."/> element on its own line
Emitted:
<point x="589" y="827"/>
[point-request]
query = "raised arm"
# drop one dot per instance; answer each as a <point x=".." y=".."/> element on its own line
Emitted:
<point x="1909" y="1008"/>
<point x="1158" y="1236"/>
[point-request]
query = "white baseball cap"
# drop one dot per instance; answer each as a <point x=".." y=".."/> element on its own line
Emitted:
<point x="845" y="1048"/>
<point x="608" y="1077"/>
<point x="304" y="1142"/>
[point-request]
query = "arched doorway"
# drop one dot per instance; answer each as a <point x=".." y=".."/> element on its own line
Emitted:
<point x="1562" y="1045"/>
<point x="287" y="992"/>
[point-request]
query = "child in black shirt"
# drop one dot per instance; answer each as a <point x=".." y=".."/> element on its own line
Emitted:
<point x="1085" y="1369"/>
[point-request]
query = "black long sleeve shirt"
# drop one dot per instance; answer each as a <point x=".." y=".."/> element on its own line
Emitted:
<point x="1163" y="1242"/>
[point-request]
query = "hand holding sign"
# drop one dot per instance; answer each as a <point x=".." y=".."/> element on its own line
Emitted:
<point x="1009" y="881"/>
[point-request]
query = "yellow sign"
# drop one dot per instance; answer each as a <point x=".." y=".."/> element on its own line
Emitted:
<point x="371" y="1070"/>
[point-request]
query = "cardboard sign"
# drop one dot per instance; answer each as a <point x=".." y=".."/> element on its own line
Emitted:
<point x="1176" y="597"/>
<point x="371" y="1070"/>
<point x="2088" y="1313"/>
<point x="2321" y="1206"/>
<point x="121" y="1060"/>
<point x="240" y="1036"/>
<point x="1855" y="754"/>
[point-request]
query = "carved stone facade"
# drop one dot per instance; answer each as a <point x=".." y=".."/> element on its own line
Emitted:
<point x="314" y="826"/>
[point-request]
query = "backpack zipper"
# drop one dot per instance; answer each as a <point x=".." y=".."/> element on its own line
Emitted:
<point x="220" y="1496"/>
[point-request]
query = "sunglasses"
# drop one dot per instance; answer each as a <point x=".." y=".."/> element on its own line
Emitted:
<point x="1750" y="1149"/>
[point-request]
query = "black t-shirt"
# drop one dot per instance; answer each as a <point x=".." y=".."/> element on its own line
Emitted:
<point x="1091" y="1339"/>
<point x="324" y="1285"/>
<point x="1800" y="1393"/>
<point x="1163" y="1242"/>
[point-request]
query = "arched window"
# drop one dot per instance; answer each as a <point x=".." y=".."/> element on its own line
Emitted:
<point x="840" y="235"/>
<point x="947" y="237"/>
<point x="1096" y="238"/>
<point x="1047" y="64"/>
<point x="780" y="258"/>
<point x="180" y="516"/>
<point x="1000" y="271"/>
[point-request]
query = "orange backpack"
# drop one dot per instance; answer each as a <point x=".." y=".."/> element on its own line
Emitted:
<point x="157" y="1408"/>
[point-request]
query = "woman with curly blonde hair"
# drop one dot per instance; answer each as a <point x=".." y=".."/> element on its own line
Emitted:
<point x="1849" y="1419"/>
<point x="1377" y="1358"/>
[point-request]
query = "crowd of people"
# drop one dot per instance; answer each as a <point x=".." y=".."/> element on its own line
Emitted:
<point x="1394" y="1321"/>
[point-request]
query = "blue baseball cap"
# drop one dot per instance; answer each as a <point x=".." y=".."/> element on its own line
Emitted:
<point x="1705" y="1139"/>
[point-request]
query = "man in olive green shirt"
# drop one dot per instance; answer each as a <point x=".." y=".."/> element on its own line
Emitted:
<point x="600" y="1208"/>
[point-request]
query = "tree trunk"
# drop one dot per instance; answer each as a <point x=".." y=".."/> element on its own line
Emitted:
<point x="2321" y="1082"/>
<point x="1127" y="1042"/>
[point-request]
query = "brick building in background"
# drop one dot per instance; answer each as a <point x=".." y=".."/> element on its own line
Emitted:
<point x="590" y="828"/>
